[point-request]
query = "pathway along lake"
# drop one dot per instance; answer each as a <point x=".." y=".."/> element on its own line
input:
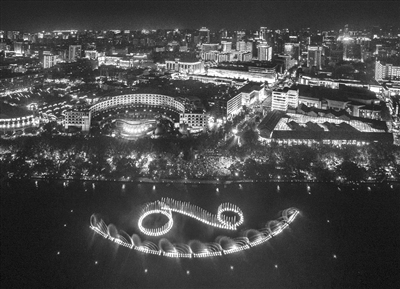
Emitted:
<point x="344" y="237"/>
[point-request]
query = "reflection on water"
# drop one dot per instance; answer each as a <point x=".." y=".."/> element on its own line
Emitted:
<point x="339" y="230"/>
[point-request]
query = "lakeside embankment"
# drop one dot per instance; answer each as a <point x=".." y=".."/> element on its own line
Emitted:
<point x="201" y="181"/>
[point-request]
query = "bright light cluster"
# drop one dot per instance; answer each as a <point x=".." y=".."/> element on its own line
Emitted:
<point x="135" y="129"/>
<point x="155" y="208"/>
<point x="222" y="246"/>
<point x="166" y="206"/>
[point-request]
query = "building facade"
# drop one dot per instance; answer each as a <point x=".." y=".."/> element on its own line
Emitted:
<point x="386" y="71"/>
<point x="314" y="56"/>
<point x="264" y="52"/>
<point x="74" y="52"/>
<point x="184" y="67"/>
<point x="79" y="119"/>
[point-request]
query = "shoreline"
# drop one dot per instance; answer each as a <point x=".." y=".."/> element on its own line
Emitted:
<point x="201" y="181"/>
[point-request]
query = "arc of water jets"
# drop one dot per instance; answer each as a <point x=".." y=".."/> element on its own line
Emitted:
<point x="223" y="245"/>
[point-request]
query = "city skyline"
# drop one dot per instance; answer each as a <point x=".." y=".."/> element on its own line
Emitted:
<point x="136" y="15"/>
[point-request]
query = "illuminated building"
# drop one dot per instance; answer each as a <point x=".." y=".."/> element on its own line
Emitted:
<point x="83" y="118"/>
<point x="133" y="128"/>
<point x="119" y="61"/>
<point x="184" y="67"/>
<point x="18" y="48"/>
<point x="298" y="129"/>
<point x="70" y="31"/>
<point x="314" y="56"/>
<point x="74" y="52"/>
<point x="240" y="35"/>
<point x="79" y="119"/>
<point x="21" y="82"/>
<point x="386" y="71"/>
<point x="266" y="75"/>
<point x="284" y="98"/>
<point x="224" y="57"/>
<point x="264" y="52"/>
<point x="209" y="47"/>
<point x="195" y="121"/>
<point x="279" y="99"/>
<point x="244" y="57"/>
<point x="234" y="106"/>
<point x="226" y="46"/>
<point x="357" y="102"/>
<point x="91" y="54"/>
<point x="241" y="46"/>
<point x="204" y="35"/>
<point x="183" y="48"/>
<point x="219" y="80"/>
<point x="249" y="46"/>
<point x="292" y="49"/>
<point x="19" y="123"/>
<point x="286" y="62"/>
<point x="210" y="56"/>
<point x="248" y="94"/>
<point x="263" y="33"/>
<point x="13" y="35"/>
<point x="49" y="61"/>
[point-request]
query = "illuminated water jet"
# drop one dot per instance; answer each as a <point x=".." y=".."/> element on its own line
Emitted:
<point x="223" y="245"/>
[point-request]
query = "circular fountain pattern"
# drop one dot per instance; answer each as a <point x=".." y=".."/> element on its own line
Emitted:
<point x="156" y="208"/>
<point x="166" y="206"/>
<point x="223" y="245"/>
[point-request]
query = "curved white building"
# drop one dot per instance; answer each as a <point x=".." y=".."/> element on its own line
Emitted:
<point x="82" y="118"/>
<point x="19" y="123"/>
<point x="146" y="99"/>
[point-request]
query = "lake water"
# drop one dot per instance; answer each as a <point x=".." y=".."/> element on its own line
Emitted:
<point x="345" y="237"/>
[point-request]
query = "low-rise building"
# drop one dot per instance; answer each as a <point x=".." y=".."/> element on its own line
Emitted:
<point x="79" y="119"/>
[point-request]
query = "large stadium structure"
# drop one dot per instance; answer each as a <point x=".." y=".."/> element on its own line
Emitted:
<point x="135" y="112"/>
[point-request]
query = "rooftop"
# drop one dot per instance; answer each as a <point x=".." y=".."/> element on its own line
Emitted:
<point x="251" y="86"/>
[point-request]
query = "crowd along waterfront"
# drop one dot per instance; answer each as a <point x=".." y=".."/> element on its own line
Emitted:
<point x="343" y="236"/>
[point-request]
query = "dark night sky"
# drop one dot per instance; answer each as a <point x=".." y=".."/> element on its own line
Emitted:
<point x="35" y="16"/>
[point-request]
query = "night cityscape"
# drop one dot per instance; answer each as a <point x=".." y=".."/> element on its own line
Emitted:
<point x="200" y="144"/>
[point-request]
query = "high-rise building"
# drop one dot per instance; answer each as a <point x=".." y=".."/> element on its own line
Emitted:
<point x="249" y="47"/>
<point x="263" y="33"/>
<point x="226" y="46"/>
<point x="386" y="71"/>
<point x="209" y="47"/>
<point x="74" y="52"/>
<point x="12" y="35"/>
<point x="49" y="61"/>
<point x="283" y="98"/>
<point x="91" y="54"/>
<point x="244" y="56"/>
<point x="204" y="35"/>
<point x="18" y="48"/>
<point x="240" y="35"/>
<point x="264" y="52"/>
<point x="314" y="56"/>
<point x="241" y="45"/>
<point x="292" y="49"/>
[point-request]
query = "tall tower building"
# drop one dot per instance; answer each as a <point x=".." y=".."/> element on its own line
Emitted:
<point x="204" y="35"/>
<point x="241" y="46"/>
<point x="249" y="47"/>
<point x="18" y="48"/>
<point x="226" y="46"/>
<point x="74" y="52"/>
<point x="292" y="49"/>
<point x="314" y="56"/>
<point x="263" y="33"/>
<point x="240" y="35"/>
<point x="49" y="61"/>
<point x="264" y="52"/>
